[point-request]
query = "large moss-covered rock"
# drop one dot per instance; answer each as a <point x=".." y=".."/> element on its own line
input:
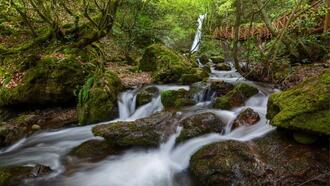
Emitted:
<point x="149" y="131"/>
<point x="145" y="96"/>
<point x="200" y="124"/>
<point x="98" y="98"/>
<point x="222" y="67"/>
<point x="221" y="88"/>
<point x="94" y="150"/>
<point x="305" y="107"/>
<point x="13" y="176"/>
<point x="167" y="66"/>
<point x="235" y="97"/>
<point x="176" y="98"/>
<point x="260" y="163"/>
<point x="157" y="128"/>
<point x="45" y="81"/>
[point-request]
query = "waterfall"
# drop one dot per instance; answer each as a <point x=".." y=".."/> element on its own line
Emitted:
<point x="198" y="35"/>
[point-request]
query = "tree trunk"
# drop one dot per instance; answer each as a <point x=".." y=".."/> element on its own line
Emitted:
<point x="236" y="34"/>
<point x="327" y="17"/>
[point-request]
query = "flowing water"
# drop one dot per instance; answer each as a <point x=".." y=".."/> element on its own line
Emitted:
<point x="198" y="35"/>
<point x="157" y="167"/>
<point x="164" y="166"/>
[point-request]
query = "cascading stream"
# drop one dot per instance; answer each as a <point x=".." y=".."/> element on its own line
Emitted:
<point x="157" y="167"/>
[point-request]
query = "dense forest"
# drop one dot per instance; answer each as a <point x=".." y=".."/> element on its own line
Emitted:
<point x="164" y="92"/>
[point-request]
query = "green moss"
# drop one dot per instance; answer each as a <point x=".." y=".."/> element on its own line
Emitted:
<point x="304" y="107"/>
<point x="98" y="99"/>
<point x="166" y="65"/>
<point x="304" y="138"/>
<point x="146" y="95"/>
<point x="48" y="81"/>
<point x="175" y="98"/>
<point x="4" y="177"/>
<point x="235" y="97"/>
<point x="195" y="76"/>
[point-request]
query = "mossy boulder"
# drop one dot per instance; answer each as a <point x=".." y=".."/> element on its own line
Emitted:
<point x="200" y="124"/>
<point x="305" y="107"/>
<point x="204" y="59"/>
<point x="47" y="81"/>
<point x="235" y="97"/>
<point x="94" y="150"/>
<point x="218" y="59"/>
<point x="145" y="132"/>
<point x="196" y="75"/>
<point x="12" y="176"/>
<point x="98" y="98"/>
<point x="221" y="88"/>
<point x="145" y="96"/>
<point x="222" y="67"/>
<point x="166" y="65"/>
<point x="173" y="99"/>
<point x="259" y="162"/>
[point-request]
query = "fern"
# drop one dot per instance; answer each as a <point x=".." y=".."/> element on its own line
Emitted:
<point x="84" y="91"/>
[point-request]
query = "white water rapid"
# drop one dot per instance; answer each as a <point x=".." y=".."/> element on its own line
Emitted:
<point x="153" y="167"/>
<point x="198" y="35"/>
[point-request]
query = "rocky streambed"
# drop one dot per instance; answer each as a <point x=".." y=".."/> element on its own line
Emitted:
<point x="214" y="132"/>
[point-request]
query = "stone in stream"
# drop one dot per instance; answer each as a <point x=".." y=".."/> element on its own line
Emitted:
<point x="29" y="122"/>
<point x="200" y="124"/>
<point x="98" y="98"/>
<point x="94" y="150"/>
<point x="149" y="131"/>
<point x="271" y="160"/>
<point x="168" y="66"/>
<point x="13" y="176"/>
<point x="246" y="118"/>
<point x="204" y="59"/>
<point x="157" y="128"/>
<point x="217" y="59"/>
<point x="174" y="99"/>
<point x="303" y="108"/>
<point x="235" y="97"/>
<point x="222" y="67"/>
<point x="145" y="96"/>
<point x="220" y="87"/>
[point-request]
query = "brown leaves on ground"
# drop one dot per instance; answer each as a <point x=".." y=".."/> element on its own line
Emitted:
<point x="13" y="82"/>
<point x="129" y="77"/>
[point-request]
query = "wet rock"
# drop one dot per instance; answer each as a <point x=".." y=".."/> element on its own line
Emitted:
<point x="94" y="150"/>
<point x="200" y="124"/>
<point x="272" y="160"/>
<point x="217" y="59"/>
<point x="13" y="176"/>
<point x="235" y="97"/>
<point x="246" y="118"/>
<point x="149" y="131"/>
<point x="26" y="123"/>
<point x="98" y="98"/>
<point x="305" y="107"/>
<point x="222" y="67"/>
<point x="304" y="138"/>
<point x="145" y="96"/>
<point x="176" y="98"/>
<point x="166" y="65"/>
<point x="49" y="81"/>
<point x="35" y="127"/>
<point x="204" y="59"/>
<point x="221" y="88"/>
<point x="194" y="76"/>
